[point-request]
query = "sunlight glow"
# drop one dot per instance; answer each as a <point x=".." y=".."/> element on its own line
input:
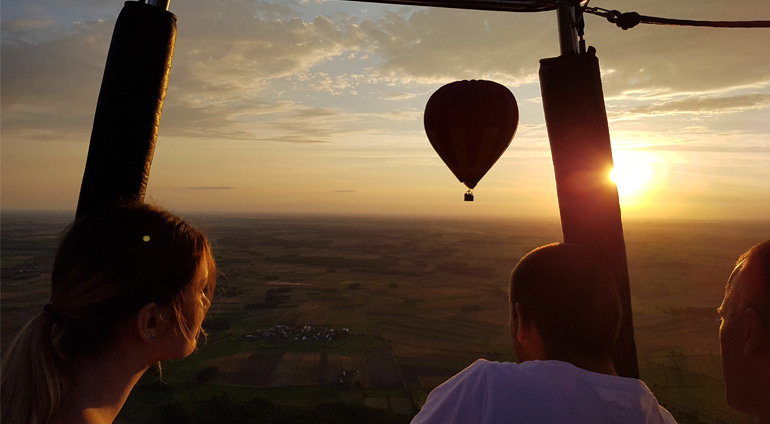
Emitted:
<point x="631" y="177"/>
<point x="635" y="173"/>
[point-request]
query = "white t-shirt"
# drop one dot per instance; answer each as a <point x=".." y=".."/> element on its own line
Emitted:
<point x="540" y="392"/>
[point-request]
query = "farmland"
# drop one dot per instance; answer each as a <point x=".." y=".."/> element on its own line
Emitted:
<point x="420" y="299"/>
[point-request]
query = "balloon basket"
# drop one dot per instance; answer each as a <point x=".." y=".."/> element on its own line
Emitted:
<point x="468" y="196"/>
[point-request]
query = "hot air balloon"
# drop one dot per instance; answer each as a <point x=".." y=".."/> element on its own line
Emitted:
<point x="470" y="124"/>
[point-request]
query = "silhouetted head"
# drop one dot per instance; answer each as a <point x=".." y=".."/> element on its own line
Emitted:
<point x="744" y="333"/>
<point x="564" y="306"/>
<point x="119" y="258"/>
<point x="127" y="277"/>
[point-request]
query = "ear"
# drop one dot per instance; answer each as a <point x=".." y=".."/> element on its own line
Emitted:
<point x="149" y="322"/>
<point x="527" y="341"/>
<point x="756" y="336"/>
<point x="513" y="321"/>
<point x="521" y="321"/>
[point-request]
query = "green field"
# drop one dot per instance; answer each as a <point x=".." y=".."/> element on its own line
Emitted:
<point x="421" y="299"/>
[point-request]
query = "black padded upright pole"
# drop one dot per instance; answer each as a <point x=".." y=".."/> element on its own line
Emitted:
<point x="129" y="107"/>
<point x="582" y="158"/>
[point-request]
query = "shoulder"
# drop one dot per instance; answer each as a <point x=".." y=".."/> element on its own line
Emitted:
<point x="632" y="398"/>
<point x="493" y="375"/>
<point x="473" y="377"/>
<point x="488" y="374"/>
<point x="463" y="397"/>
<point x="667" y="417"/>
<point x="482" y="392"/>
<point x="482" y="368"/>
<point x="656" y="409"/>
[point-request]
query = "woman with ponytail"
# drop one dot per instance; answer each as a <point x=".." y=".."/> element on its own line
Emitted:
<point x="130" y="287"/>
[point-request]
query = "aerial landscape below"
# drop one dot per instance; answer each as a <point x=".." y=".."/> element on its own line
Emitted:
<point x="329" y="317"/>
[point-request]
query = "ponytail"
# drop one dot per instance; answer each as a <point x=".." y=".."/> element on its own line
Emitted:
<point x="110" y="263"/>
<point x="32" y="380"/>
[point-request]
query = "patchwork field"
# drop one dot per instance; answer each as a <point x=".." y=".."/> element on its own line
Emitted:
<point x="420" y="299"/>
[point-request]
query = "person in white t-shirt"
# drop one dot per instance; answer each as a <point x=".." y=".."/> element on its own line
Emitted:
<point x="565" y="318"/>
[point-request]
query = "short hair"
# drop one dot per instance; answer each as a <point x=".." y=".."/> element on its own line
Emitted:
<point x="759" y="256"/>
<point x="571" y="299"/>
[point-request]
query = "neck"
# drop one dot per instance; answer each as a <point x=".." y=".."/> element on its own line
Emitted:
<point x="99" y="386"/>
<point x="601" y="366"/>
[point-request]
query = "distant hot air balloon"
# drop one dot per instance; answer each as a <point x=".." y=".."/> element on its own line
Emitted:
<point x="470" y="124"/>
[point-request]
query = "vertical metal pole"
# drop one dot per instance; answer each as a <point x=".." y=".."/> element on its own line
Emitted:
<point x="129" y="107"/>
<point x="568" y="40"/>
<point x="579" y="136"/>
<point x="163" y="4"/>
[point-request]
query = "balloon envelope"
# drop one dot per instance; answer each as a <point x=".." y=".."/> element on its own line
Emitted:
<point x="470" y="124"/>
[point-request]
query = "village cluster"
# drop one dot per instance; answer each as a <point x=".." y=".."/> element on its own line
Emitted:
<point x="299" y="333"/>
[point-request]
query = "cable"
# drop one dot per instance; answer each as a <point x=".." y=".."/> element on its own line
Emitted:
<point x="632" y="19"/>
<point x="496" y="5"/>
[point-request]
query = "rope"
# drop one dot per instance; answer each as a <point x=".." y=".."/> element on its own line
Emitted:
<point x="632" y="19"/>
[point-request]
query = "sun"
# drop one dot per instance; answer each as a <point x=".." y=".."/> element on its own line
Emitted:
<point x="634" y="173"/>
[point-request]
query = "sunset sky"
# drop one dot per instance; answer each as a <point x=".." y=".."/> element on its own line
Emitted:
<point x="314" y="106"/>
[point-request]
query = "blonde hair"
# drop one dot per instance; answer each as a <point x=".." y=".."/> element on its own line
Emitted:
<point x="110" y="263"/>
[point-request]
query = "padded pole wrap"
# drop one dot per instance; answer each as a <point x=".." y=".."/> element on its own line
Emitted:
<point x="582" y="158"/>
<point x="129" y="106"/>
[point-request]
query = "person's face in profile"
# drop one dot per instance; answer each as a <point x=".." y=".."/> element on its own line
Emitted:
<point x="732" y="334"/>
<point x="182" y="341"/>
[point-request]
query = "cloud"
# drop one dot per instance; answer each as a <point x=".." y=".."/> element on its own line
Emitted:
<point x="437" y="44"/>
<point x="253" y="120"/>
<point x="234" y="72"/>
<point x="254" y="42"/>
<point x="699" y="147"/>
<point x="701" y="106"/>
<point x="399" y="96"/>
<point x="225" y="81"/>
<point x="656" y="58"/>
<point x="49" y="88"/>
<point x="262" y="71"/>
<point x="259" y="80"/>
<point x="22" y="24"/>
